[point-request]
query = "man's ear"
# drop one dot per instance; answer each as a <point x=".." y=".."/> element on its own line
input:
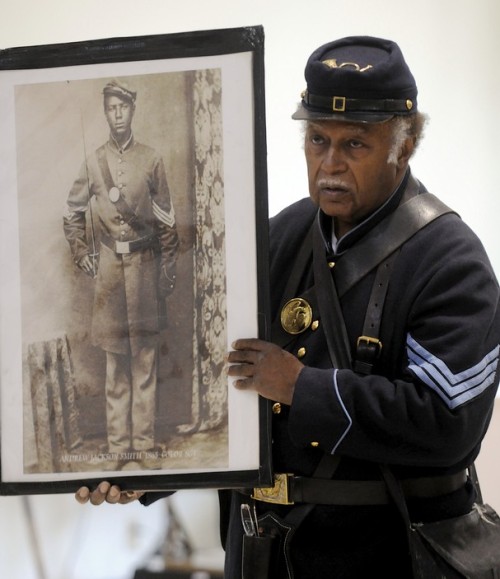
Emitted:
<point x="406" y="152"/>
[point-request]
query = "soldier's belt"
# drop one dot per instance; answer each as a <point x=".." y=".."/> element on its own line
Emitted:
<point x="122" y="247"/>
<point x="289" y="489"/>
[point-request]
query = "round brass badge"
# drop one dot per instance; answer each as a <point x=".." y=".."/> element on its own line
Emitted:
<point x="296" y="316"/>
<point x="114" y="194"/>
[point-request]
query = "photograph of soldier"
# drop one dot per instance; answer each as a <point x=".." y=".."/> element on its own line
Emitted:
<point x="137" y="230"/>
<point x="122" y="271"/>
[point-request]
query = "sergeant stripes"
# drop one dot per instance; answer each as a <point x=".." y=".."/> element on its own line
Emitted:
<point x="163" y="216"/>
<point x="454" y="389"/>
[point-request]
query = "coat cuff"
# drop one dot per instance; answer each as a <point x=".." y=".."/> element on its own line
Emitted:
<point x="318" y="416"/>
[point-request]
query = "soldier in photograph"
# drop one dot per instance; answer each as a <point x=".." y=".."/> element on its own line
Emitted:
<point x="121" y="229"/>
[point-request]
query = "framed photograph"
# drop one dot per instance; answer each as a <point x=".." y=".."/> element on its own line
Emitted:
<point x="134" y="251"/>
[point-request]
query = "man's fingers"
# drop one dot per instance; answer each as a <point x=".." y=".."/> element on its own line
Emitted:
<point x="82" y="495"/>
<point x="113" y="495"/>
<point x="98" y="496"/>
<point x="106" y="492"/>
<point x="244" y="370"/>
<point x="245" y="384"/>
<point x="249" y="344"/>
<point x="242" y="356"/>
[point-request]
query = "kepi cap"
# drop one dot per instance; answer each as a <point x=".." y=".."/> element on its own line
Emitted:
<point x="119" y="89"/>
<point x="357" y="78"/>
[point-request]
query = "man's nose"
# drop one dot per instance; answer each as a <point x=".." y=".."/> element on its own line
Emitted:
<point x="333" y="161"/>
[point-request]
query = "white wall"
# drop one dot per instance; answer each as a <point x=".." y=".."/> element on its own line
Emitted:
<point x="74" y="542"/>
<point x="452" y="46"/>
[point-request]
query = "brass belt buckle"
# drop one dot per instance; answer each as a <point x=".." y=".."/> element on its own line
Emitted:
<point x="122" y="247"/>
<point x="368" y="340"/>
<point x="279" y="494"/>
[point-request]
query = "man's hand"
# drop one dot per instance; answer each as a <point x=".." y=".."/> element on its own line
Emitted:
<point x="105" y="492"/>
<point x="265" y="368"/>
<point x="88" y="265"/>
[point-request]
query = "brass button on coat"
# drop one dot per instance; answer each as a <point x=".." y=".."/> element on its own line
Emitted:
<point x="315" y="325"/>
<point x="276" y="408"/>
<point x="301" y="352"/>
<point x="315" y="444"/>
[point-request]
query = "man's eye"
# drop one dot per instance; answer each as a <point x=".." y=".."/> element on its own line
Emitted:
<point x="317" y="140"/>
<point x="355" y="144"/>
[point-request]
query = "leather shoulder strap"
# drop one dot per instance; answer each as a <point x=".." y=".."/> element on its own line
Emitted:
<point x="302" y="259"/>
<point x="102" y="161"/>
<point x="386" y="237"/>
<point x="380" y="243"/>
<point x="329" y="305"/>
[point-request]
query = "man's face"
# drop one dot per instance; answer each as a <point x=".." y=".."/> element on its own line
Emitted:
<point x="119" y="113"/>
<point x="349" y="176"/>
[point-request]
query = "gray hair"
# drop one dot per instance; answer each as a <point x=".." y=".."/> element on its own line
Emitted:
<point x="403" y="128"/>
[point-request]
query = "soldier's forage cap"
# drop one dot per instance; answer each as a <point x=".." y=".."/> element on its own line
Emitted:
<point x="119" y="89"/>
<point x="358" y="78"/>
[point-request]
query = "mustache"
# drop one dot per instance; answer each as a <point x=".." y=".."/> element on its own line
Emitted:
<point x="331" y="183"/>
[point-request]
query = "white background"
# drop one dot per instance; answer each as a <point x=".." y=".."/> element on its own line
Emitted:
<point x="452" y="47"/>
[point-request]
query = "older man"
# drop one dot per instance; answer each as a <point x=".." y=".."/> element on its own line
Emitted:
<point x="385" y="342"/>
<point x="134" y="216"/>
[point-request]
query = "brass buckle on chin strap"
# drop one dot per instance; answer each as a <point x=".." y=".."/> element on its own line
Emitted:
<point x="278" y="494"/>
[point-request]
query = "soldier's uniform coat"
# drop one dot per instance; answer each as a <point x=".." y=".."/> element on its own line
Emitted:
<point x="424" y="410"/>
<point x="126" y="305"/>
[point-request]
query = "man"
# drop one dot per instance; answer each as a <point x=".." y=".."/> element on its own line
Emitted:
<point x="404" y="375"/>
<point x="123" y="187"/>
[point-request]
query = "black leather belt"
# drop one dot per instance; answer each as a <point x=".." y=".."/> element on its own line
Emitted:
<point x="289" y="489"/>
<point x="123" y="247"/>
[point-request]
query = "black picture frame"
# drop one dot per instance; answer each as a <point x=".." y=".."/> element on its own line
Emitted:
<point x="206" y="116"/>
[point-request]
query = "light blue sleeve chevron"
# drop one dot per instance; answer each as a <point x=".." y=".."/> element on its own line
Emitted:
<point x="454" y="389"/>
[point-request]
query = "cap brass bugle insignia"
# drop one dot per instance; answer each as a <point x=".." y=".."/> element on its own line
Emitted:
<point x="296" y="316"/>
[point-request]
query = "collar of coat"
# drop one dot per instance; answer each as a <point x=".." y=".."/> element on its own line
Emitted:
<point x="357" y="232"/>
<point x="116" y="147"/>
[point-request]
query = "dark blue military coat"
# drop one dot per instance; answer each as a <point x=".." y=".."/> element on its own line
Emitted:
<point x="423" y="410"/>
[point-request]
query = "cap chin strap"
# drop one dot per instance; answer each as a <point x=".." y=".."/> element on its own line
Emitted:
<point x="341" y="104"/>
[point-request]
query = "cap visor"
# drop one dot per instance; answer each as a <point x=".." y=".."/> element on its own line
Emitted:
<point x="303" y="114"/>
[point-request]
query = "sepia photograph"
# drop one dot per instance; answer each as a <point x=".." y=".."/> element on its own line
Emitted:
<point x="132" y="235"/>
